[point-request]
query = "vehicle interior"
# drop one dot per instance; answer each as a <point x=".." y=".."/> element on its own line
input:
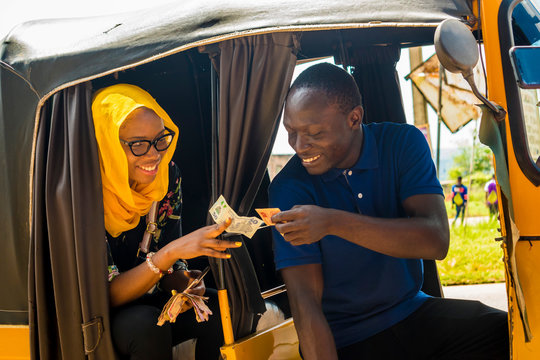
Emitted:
<point x="192" y="84"/>
<point x="181" y="83"/>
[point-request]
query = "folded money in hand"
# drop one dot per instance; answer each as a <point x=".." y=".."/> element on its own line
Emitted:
<point x="180" y="302"/>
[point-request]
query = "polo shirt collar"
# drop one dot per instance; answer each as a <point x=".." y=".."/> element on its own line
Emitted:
<point x="369" y="156"/>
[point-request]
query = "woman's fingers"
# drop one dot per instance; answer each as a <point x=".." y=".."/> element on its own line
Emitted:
<point x="216" y="254"/>
<point x="203" y="242"/>
<point x="222" y="245"/>
<point x="199" y="289"/>
<point x="193" y="274"/>
<point x="215" y="230"/>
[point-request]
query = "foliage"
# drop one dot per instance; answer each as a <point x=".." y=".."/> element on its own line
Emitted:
<point x="474" y="256"/>
<point x="461" y="161"/>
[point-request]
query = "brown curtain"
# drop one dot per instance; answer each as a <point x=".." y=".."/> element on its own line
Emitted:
<point x="68" y="297"/>
<point x="254" y="77"/>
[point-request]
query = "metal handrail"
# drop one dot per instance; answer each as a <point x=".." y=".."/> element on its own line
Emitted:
<point x="277" y="290"/>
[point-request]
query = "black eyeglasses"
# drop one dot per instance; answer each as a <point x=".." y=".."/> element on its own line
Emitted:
<point x="141" y="147"/>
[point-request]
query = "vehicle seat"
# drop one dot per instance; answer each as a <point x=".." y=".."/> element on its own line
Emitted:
<point x="432" y="283"/>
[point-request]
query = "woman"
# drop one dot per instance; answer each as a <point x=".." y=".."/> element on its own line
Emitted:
<point x="136" y="140"/>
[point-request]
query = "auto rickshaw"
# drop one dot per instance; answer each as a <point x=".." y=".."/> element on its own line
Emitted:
<point x="222" y="71"/>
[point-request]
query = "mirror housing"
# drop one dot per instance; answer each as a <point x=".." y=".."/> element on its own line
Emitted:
<point x="457" y="51"/>
<point x="455" y="46"/>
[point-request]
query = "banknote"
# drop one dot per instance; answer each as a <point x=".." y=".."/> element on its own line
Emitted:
<point x="177" y="304"/>
<point x="267" y="213"/>
<point x="247" y="226"/>
<point x="202" y="311"/>
<point x="221" y="211"/>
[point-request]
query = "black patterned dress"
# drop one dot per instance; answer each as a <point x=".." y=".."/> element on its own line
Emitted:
<point x="122" y="250"/>
<point x="134" y="328"/>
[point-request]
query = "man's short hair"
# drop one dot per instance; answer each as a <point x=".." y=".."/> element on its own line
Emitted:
<point x="337" y="84"/>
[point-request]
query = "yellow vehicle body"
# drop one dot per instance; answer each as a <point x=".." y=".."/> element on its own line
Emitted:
<point x="14" y="342"/>
<point x="279" y="342"/>
<point x="526" y="201"/>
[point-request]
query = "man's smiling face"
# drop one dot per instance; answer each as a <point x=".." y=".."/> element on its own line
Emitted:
<point x="321" y="134"/>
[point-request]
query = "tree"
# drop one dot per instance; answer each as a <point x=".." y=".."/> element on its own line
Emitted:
<point x="461" y="161"/>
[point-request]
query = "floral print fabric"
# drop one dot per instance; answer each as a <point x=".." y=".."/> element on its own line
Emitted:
<point x="123" y="249"/>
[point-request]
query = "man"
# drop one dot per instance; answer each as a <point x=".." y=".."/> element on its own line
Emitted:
<point x="362" y="207"/>
<point x="459" y="199"/>
<point x="491" y="196"/>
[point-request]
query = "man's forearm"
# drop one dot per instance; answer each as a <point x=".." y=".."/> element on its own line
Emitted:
<point x="424" y="234"/>
<point x="403" y="237"/>
<point x="304" y="289"/>
<point x="316" y="339"/>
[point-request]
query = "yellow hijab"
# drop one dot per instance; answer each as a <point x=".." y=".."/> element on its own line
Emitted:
<point x="124" y="205"/>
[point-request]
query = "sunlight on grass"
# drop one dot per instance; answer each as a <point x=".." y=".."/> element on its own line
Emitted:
<point x="474" y="256"/>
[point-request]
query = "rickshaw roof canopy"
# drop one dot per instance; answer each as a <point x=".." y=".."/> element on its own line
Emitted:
<point x="49" y="54"/>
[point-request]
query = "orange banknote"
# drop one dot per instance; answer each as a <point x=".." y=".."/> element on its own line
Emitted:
<point x="267" y="213"/>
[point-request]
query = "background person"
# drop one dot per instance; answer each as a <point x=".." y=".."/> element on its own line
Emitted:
<point x="361" y="207"/>
<point x="459" y="199"/>
<point x="490" y="190"/>
<point x="136" y="141"/>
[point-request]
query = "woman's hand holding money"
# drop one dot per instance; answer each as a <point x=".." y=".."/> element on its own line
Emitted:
<point x="179" y="281"/>
<point x="201" y="242"/>
<point x="132" y="284"/>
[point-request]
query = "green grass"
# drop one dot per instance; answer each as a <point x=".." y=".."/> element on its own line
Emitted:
<point x="474" y="209"/>
<point x="474" y="257"/>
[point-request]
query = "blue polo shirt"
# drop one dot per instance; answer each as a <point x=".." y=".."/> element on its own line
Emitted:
<point x="364" y="292"/>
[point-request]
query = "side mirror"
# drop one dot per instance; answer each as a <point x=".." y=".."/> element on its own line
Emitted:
<point x="457" y="51"/>
<point x="455" y="46"/>
<point x="525" y="63"/>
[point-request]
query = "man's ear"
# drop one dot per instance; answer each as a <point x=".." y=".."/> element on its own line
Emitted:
<point x="355" y="117"/>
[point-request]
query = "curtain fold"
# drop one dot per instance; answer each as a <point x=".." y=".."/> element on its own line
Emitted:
<point x="376" y="76"/>
<point x="69" y="308"/>
<point x="254" y="77"/>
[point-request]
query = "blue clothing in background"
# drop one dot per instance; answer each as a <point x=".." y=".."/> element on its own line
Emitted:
<point x="459" y="199"/>
<point x="364" y="292"/>
<point x="462" y="191"/>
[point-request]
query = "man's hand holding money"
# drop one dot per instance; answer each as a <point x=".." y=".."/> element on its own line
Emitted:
<point x="303" y="224"/>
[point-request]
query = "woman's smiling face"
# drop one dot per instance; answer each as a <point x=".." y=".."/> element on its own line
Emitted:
<point x="142" y="124"/>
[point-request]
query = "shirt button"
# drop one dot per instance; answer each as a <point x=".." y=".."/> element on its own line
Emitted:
<point x="360" y="195"/>
<point x="350" y="172"/>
